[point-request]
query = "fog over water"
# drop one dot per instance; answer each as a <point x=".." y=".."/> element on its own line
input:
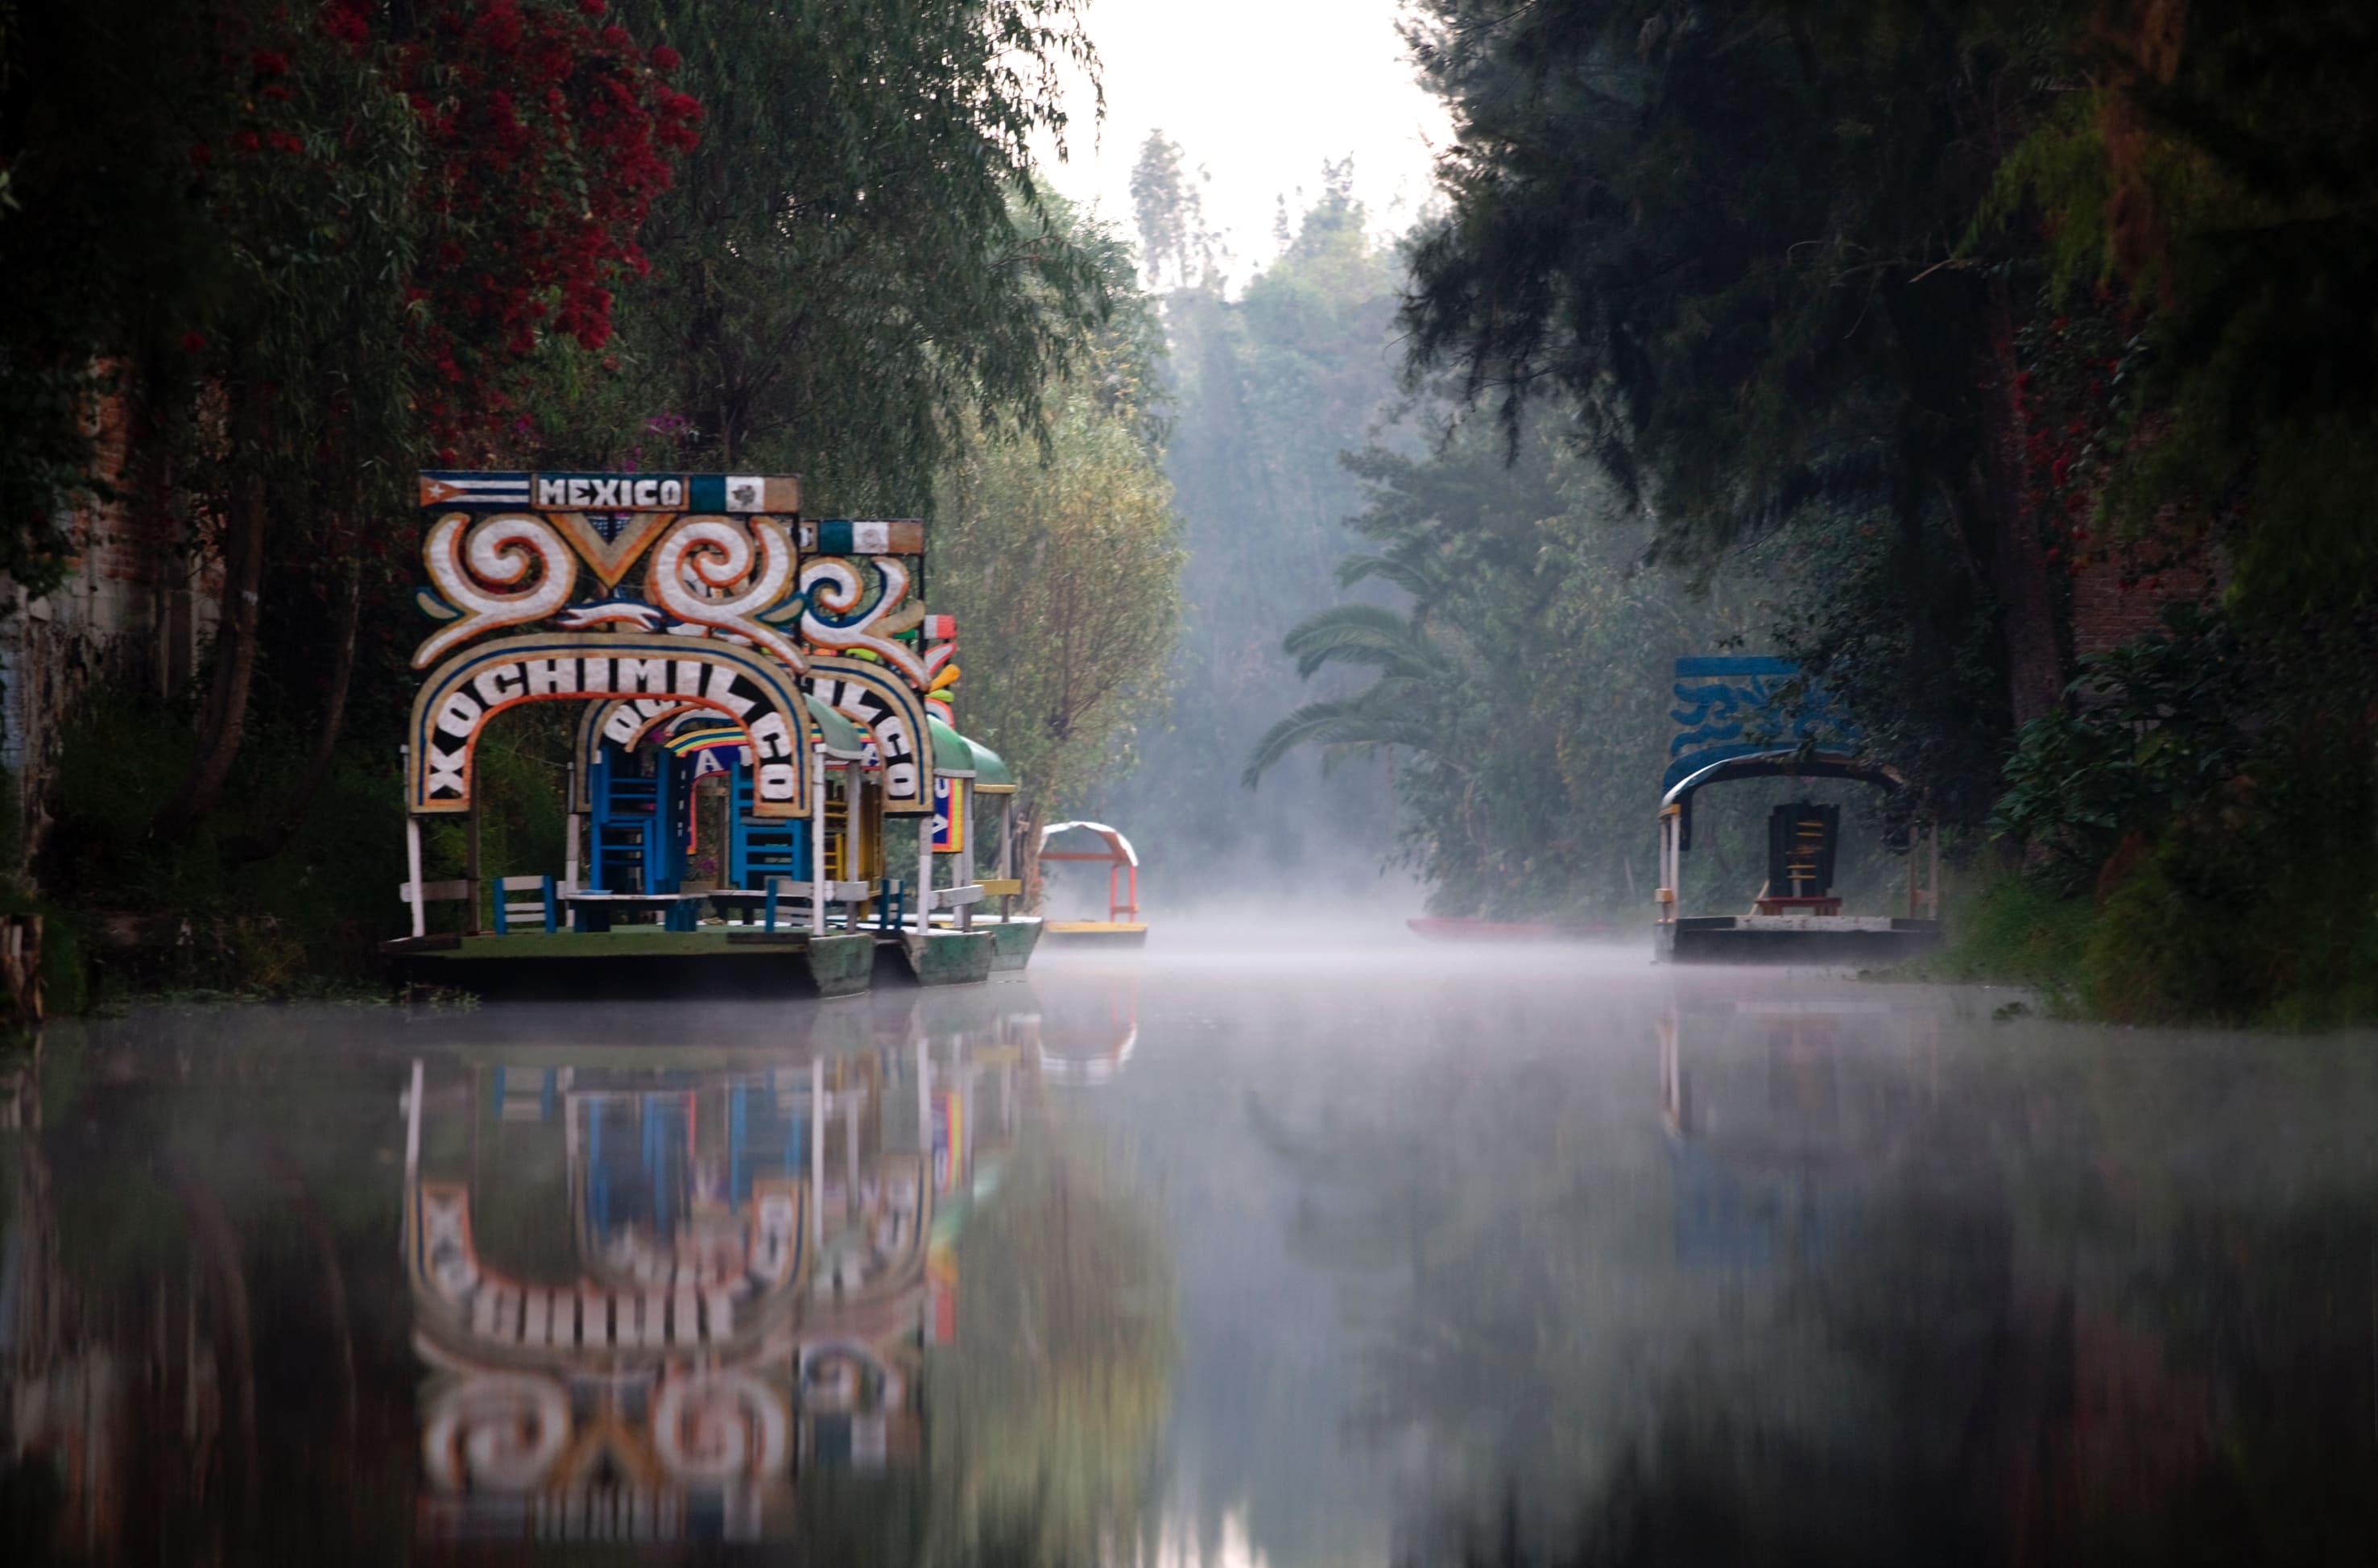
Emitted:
<point x="1320" y="1245"/>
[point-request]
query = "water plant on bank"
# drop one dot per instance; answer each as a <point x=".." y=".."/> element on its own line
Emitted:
<point x="2194" y="830"/>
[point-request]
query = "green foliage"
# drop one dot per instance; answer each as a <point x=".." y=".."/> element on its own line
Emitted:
<point x="1265" y="390"/>
<point x="2013" y="929"/>
<point x="858" y="259"/>
<point x="2155" y="727"/>
<point x="2253" y="906"/>
<point x="1061" y="559"/>
<point x="1719" y="242"/>
<point x="2225" y="171"/>
<point x="98" y="220"/>
<point x="1524" y="693"/>
<point x="2219" y="793"/>
<point x="308" y="919"/>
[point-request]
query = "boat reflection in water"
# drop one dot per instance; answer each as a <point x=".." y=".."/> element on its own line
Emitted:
<point x="1089" y="1033"/>
<point x="583" y="1286"/>
<point x="648" y="1297"/>
<point x="1766" y="1148"/>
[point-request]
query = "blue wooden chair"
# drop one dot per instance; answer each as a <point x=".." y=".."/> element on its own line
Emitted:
<point x="543" y="907"/>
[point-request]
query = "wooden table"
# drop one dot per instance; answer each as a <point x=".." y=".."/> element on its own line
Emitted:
<point x="595" y="910"/>
<point x="735" y="901"/>
<point x="1782" y="904"/>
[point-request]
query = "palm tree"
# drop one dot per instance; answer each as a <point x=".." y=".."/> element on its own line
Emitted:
<point x="1413" y="702"/>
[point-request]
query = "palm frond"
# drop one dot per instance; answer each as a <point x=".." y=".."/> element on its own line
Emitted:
<point x="1334" y="722"/>
<point x="1362" y="634"/>
<point x="1415" y="577"/>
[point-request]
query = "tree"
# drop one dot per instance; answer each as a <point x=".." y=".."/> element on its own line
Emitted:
<point x="1267" y="390"/>
<point x="1727" y="239"/>
<point x="343" y="234"/>
<point x="1522" y="693"/>
<point x="1177" y="251"/>
<point x="1063" y="567"/>
<point x="2208" y="166"/>
<point x="859" y="259"/>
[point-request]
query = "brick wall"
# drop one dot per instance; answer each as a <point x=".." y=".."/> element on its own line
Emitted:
<point x="2120" y="596"/>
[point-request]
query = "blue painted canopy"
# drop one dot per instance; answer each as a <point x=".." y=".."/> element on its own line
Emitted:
<point x="1746" y="704"/>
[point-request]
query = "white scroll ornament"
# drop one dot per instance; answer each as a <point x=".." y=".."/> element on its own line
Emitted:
<point x="502" y="550"/>
<point x="719" y="1426"/>
<point x="833" y="588"/>
<point x="720" y="555"/>
<point x="501" y="1430"/>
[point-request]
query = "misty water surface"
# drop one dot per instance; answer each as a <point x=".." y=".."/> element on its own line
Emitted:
<point x="1240" y="1253"/>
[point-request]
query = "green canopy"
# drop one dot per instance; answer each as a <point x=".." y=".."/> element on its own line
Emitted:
<point x="990" y="774"/>
<point x="841" y="736"/>
<point x="952" y="757"/>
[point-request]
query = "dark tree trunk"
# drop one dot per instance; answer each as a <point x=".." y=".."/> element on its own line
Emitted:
<point x="275" y="834"/>
<point x="1027" y="855"/>
<point x="223" y="722"/>
<point x="2004" y="534"/>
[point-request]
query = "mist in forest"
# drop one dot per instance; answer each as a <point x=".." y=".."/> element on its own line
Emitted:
<point x="1438" y="647"/>
<point x="1269" y="384"/>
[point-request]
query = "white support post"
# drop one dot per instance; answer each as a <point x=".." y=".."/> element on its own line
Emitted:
<point x="817" y="844"/>
<point x="850" y="1157"/>
<point x="925" y="1104"/>
<point x="924" y="871"/>
<point x="854" y="824"/>
<point x="817" y="1144"/>
<point x="1665" y="894"/>
<point x="412" y="873"/>
<point x="962" y="796"/>
<point x="412" y="1134"/>
<point x="569" y="853"/>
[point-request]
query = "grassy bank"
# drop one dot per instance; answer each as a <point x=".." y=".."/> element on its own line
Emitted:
<point x="130" y="916"/>
<point x="2151" y="948"/>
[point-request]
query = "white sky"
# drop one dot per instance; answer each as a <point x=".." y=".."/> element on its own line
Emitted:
<point x="1258" y="93"/>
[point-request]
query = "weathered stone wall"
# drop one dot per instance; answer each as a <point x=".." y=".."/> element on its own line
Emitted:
<point x="135" y="608"/>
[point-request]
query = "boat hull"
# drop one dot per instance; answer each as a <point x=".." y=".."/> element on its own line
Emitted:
<point x="641" y="961"/>
<point x="1095" y="933"/>
<point x="1864" y="940"/>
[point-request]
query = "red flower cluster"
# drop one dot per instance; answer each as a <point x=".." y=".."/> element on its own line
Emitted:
<point x="344" y="20"/>
<point x="549" y="135"/>
<point x="2069" y="416"/>
<point x="545" y="132"/>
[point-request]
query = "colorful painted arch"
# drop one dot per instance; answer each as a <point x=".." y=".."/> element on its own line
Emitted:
<point x="750" y="691"/>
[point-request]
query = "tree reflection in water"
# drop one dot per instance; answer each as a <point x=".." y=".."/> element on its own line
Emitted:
<point x="1882" y="1303"/>
<point x="1046" y="1419"/>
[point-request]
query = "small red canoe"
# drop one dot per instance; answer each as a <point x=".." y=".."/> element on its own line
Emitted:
<point x="1439" y="930"/>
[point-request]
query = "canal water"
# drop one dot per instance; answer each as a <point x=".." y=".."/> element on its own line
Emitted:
<point x="1232" y="1254"/>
